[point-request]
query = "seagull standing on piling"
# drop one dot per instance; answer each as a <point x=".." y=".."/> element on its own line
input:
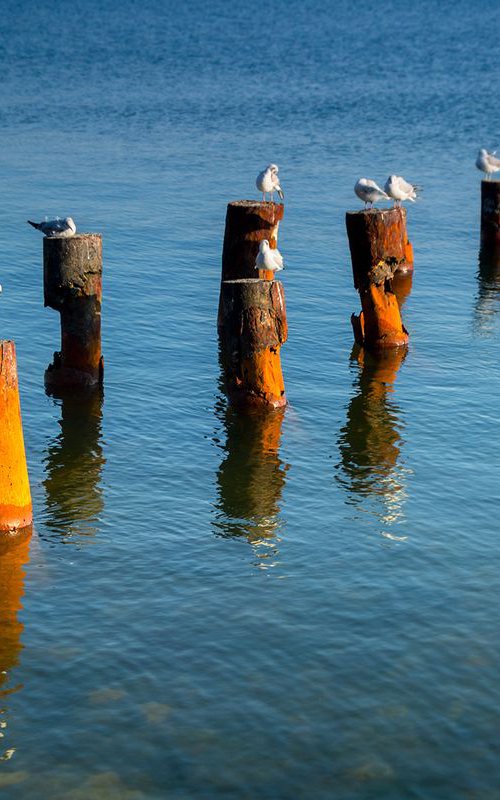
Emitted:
<point x="369" y="192"/>
<point x="400" y="190"/>
<point x="268" y="259"/>
<point x="487" y="162"/>
<point x="268" y="181"/>
<point x="55" y="227"/>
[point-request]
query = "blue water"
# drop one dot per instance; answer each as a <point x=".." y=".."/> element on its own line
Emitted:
<point x="289" y="607"/>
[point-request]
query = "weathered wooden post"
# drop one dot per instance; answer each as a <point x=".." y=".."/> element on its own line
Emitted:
<point x="248" y="223"/>
<point x="15" y="496"/>
<point x="490" y="214"/>
<point x="252" y="329"/>
<point x="72" y="276"/>
<point x="252" y="315"/>
<point x="378" y="249"/>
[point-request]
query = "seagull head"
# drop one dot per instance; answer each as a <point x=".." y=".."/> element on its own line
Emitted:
<point x="69" y="222"/>
<point x="273" y="167"/>
<point x="264" y="245"/>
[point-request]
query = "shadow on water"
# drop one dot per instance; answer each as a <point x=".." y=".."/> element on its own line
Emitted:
<point x="488" y="294"/>
<point x="370" y="441"/>
<point x="73" y="466"/>
<point x="250" y="480"/>
<point x="14" y="555"/>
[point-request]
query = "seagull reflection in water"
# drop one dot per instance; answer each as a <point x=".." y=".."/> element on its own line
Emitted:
<point x="370" y="441"/>
<point x="73" y="466"/>
<point x="488" y="295"/>
<point x="250" y="480"/>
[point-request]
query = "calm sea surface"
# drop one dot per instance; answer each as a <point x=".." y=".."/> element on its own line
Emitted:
<point x="296" y="606"/>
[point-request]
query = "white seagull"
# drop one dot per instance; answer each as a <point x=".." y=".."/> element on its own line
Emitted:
<point x="268" y="181"/>
<point x="487" y="162"/>
<point x="399" y="189"/>
<point x="369" y="192"/>
<point x="55" y="227"/>
<point x="268" y="259"/>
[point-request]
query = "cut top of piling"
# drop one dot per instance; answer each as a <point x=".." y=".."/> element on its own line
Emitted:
<point x="248" y="223"/>
<point x="72" y="268"/>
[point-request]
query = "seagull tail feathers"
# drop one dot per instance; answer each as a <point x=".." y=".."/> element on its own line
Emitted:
<point x="281" y="194"/>
<point x="34" y="224"/>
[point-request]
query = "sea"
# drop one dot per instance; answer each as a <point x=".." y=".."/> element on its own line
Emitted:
<point x="213" y="605"/>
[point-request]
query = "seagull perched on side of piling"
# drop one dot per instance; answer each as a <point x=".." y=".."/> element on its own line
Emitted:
<point x="267" y="258"/>
<point x="369" y="192"/>
<point x="487" y="162"/>
<point x="400" y="190"/>
<point x="268" y="182"/>
<point x="55" y="227"/>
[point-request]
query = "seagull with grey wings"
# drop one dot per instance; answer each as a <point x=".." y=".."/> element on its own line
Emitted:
<point x="268" y="182"/>
<point x="400" y="190"/>
<point x="369" y="192"/>
<point x="487" y="162"/>
<point x="55" y="227"/>
<point x="268" y="259"/>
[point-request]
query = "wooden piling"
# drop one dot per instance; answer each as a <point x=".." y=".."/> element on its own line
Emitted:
<point x="378" y="250"/>
<point x="15" y="496"/>
<point x="248" y="223"/>
<point x="490" y="214"/>
<point x="252" y="329"/>
<point x="72" y="274"/>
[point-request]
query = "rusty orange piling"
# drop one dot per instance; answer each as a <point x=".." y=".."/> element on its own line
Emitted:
<point x="72" y="276"/>
<point x="378" y="251"/>
<point x="252" y="329"/>
<point x="490" y="214"/>
<point x="15" y="496"/>
<point x="248" y="223"/>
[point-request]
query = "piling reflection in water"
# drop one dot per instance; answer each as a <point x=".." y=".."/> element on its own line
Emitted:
<point x="73" y="467"/>
<point x="370" y="441"/>
<point x="488" y="295"/>
<point x="14" y="554"/>
<point x="250" y="480"/>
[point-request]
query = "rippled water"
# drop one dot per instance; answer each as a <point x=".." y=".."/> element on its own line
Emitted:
<point x="300" y="605"/>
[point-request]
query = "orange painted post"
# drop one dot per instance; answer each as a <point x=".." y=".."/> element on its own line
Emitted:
<point x="252" y="329"/>
<point x="490" y="214"/>
<point x="72" y="276"/>
<point x="377" y="251"/>
<point x="15" y="496"/>
<point x="248" y="223"/>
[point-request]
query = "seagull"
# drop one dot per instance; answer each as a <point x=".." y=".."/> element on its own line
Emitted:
<point x="487" y="162"/>
<point x="268" y="259"/>
<point x="55" y="227"/>
<point x="399" y="189"/>
<point x="268" y="181"/>
<point x="368" y="191"/>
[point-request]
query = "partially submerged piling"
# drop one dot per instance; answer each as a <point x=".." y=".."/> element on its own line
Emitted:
<point x="252" y="315"/>
<point x="490" y="214"/>
<point x="15" y="496"/>
<point x="72" y="276"/>
<point x="252" y="329"/>
<point x="377" y="241"/>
